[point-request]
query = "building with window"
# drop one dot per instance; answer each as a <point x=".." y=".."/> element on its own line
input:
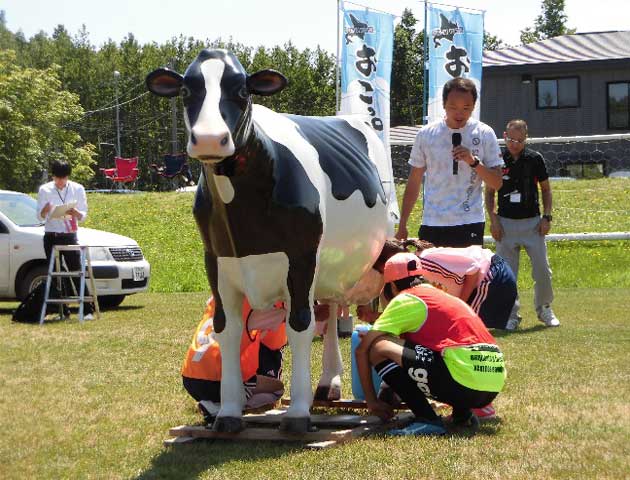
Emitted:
<point x="573" y="85"/>
<point x="565" y="86"/>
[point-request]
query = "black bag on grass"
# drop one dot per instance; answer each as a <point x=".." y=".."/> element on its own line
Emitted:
<point x="30" y="309"/>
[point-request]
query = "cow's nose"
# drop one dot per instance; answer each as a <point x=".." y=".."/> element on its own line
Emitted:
<point x="205" y="143"/>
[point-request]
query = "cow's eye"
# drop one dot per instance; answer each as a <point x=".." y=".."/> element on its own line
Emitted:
<point x="185" y="92"/>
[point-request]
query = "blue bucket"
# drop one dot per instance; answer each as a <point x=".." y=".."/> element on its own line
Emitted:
<point x="357" y="389"/>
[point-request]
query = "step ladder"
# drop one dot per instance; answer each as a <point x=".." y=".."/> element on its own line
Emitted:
<point x="55" y="271"/>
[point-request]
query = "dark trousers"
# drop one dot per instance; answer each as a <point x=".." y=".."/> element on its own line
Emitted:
<point x="72" y="259"/>
<point x="495" y="309"/>
<point x="427" y="369"/>
<point x="457" y="236"/>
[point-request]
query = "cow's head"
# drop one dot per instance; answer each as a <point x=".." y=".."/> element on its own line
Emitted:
<point x="216" y="92"/>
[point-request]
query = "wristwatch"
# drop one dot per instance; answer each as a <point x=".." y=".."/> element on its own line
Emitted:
<point x="476" y="163"/>
<point x="549" y="218"/>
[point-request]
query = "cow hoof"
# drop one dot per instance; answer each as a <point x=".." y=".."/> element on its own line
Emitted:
<point x="297" y="425"/>
<point x="228" y="424"/>
<point x="327" y="393"/>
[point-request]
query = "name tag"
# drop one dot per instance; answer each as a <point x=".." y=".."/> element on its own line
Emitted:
<point x="515" y="197"/>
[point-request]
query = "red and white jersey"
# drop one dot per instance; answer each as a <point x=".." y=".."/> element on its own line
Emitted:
<point x="446" y="267"/>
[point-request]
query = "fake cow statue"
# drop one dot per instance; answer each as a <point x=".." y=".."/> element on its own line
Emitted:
<point x="290" y="208"/>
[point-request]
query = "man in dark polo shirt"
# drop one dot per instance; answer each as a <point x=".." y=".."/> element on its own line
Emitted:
<point x="518" y="222"/>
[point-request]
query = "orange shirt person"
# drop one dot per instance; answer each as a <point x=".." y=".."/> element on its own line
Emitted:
<point x="261" y="360"/>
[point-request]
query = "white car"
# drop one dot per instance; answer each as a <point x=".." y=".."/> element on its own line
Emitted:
<point x="117" y="262"/>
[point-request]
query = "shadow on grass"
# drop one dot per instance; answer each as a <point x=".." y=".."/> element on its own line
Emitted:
<point x="192" y="459"/>
<point x="487" y="428"/>
<point x="521" y="331"/>
<point x="8" y="310"/>
<point x="123" y="308"/>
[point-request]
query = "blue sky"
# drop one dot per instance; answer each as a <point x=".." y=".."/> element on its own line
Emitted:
<point x="270" y="23"/>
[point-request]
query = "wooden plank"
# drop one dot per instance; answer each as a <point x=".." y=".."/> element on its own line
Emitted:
<point x="347" y="403"/>
<point x="322" y="445"/>
<point x="266" y="430"/>
<point x="353" y="404"/>
<point x="169" y="442"/>
<point x="261" y="408"/>
<point x="321" y="421"/>
<point x="400" y="421"/>
<point x="259" y="433"/>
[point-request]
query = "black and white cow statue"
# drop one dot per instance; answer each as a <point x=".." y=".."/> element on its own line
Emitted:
<point x="289" y="207"/>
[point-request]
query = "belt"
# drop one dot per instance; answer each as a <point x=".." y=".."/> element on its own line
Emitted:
<point x="59" y="234"/>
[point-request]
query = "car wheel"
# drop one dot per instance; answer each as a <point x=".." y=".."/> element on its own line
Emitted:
<point x="110" y="301"/>
<point x="33" y="277"/>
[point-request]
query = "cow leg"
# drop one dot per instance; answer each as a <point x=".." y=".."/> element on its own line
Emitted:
<point x="300" y="334"/>
<point x="229" y="418"/>
<point x="329" y="387"/>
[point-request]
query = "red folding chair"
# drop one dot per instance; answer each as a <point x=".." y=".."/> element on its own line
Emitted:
<point x="126" y="171"/>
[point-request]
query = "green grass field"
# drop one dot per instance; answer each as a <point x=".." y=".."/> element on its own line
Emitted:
<point x="96" y="400"/>
<point x="162" y="224"/>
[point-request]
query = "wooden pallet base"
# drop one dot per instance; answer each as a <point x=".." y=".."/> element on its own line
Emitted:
<point x="331" y="429"/>
<point x="352" y="404"/>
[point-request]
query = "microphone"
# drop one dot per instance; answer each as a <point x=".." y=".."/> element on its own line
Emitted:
<point x="457" y="141"/>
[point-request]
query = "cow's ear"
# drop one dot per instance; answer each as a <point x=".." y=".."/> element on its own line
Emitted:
<point x="164" y="82"/>
<point x="266" y="82"/>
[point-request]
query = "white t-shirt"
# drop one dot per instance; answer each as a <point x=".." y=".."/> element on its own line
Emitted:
<point x="449" y="199"/>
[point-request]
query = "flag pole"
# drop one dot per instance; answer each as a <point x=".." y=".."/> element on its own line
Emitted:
<point x="425" y="82"/>
<point x="337" y="79"/>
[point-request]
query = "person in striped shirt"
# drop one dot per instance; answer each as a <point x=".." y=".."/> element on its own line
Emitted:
<point x="474" y="274"/>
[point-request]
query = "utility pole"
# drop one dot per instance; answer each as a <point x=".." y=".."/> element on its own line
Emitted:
<point x="118" y="151"/>
<point x="174" y="145"/>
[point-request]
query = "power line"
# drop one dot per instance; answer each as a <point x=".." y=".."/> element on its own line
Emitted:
<point x="91" y="112"/>
<point x="127" y="92"/>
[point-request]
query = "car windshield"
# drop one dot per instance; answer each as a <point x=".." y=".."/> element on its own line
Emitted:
<point x="20" y="209"/>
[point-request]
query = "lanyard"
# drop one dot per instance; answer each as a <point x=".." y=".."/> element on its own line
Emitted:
<point x="63" y="200"/>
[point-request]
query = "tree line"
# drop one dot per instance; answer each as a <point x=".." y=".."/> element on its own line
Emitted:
<point x="58" y="95"/>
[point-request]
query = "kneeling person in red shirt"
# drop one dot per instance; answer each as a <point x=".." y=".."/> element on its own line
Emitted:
<point x="427" y="343"/>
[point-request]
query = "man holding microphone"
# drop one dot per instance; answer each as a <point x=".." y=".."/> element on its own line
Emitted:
<point x="457" y="154"/>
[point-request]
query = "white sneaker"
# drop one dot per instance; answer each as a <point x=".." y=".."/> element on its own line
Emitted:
<point x="513" y="323"/>
<point x="547" y="317"/>
<point x="89" y="316"/>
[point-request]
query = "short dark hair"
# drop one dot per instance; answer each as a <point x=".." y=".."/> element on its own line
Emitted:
<point x="402" y="284"/>
<point x="393" y="246"/>
<point x="459" y="84"/>
<point x="60" y="168"/>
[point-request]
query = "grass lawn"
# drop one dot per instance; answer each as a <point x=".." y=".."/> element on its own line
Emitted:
<point x="96" y="401"/>
<point x="162" y="224"/>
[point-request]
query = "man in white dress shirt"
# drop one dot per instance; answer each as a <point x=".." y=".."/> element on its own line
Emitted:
<point x="63" y="230"/>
